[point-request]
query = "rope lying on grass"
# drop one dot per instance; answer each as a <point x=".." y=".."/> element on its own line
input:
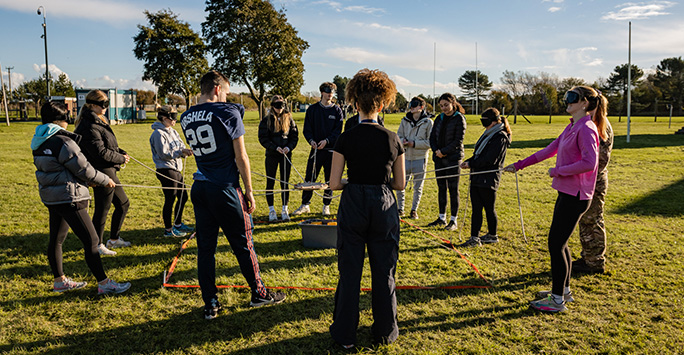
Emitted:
<point x="168" y="273"/>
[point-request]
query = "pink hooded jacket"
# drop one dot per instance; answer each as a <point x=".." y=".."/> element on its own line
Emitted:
<point x="577" y="159"/>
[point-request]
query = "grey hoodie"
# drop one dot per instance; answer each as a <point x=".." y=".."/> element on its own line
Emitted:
<point x="167" y="147"/>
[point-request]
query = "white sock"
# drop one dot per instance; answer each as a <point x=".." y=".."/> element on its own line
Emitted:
<point x="442" y="216"/>
<point x="453" y="219"/>
<point x="556" y="298"/>
<point x="284" y="208"/>
<point x="271" y="209"/>
<point x="567" y="290"/>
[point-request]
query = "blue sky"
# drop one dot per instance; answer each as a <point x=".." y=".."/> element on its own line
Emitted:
<point x="92" y="40"/>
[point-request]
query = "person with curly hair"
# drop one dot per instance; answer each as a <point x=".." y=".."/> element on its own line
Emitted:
<point x="367" y="216"/>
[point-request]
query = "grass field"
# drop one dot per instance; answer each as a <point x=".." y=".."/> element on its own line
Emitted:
<point x="635" y="308"/>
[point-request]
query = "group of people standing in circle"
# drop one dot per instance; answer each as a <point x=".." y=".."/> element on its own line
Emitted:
<point x="377" y="161"/>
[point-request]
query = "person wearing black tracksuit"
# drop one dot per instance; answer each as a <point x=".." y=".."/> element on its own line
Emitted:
<point x="100" y="147"/>
<point x="279" y="135"/>
<point x="446" y="142"/>
<point x="490" y="153"/>
<point x="322" y="125"/>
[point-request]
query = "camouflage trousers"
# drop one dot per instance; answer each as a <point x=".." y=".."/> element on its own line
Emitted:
<point x="592" y="228"/>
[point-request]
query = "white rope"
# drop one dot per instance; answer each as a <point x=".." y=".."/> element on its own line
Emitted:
<point x="156" y="172"/>
<point x="517" y="189"/>
<point x="154" y="187"/>
<point x="293" y="167"/>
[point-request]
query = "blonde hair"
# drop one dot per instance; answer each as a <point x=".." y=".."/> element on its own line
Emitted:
<point x="597" y="102"/>
<point x="94" y="95"/>
<point x="371" y="90"/>
<point x="281" y="122"/>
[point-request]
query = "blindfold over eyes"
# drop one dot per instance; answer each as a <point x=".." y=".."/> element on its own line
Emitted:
<point x="103" y="103"/>
<point x="278" y="104"/>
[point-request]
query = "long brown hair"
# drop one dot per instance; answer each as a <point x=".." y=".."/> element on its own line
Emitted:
<point x="447" y="96"/>
<point x="494" y="114"/>
<point x="597" y="102"/>
<point x="93" y="95"/>
<point x="281" y="122"/>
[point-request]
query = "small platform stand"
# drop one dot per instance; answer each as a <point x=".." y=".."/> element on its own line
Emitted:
<point x="319" y="233"/>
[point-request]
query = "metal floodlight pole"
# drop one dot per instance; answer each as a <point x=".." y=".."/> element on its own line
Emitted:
<point x="629" y="82"/>
<point x="434" y="78"/>
<point x="477" y="92"/>
<point x="41" y="11"/>
<point x="4" y="98"/>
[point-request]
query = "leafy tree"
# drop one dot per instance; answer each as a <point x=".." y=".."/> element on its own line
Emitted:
<point x="467" y="83"/>
<point x="669" y="78"/>
<point x="400" y="102"/>
<point x="62" y="87"/>
<point x="144" y="97"/>
<point x="254" y="45"/>
<point x="618" y="83"/>
<point x="341" y="83"/>
<point x="173" y="54"/>
<point x="500" y="100"/>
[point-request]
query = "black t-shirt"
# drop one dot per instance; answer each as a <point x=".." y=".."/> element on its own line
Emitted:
<point x="370" y="151"/>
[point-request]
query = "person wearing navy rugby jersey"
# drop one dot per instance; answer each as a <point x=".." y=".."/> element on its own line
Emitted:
<point x="446" y="141"/>
<point x="367" y="216"/>
<point x="322" y="125"/>
<point x="214" y="131"/>
<point x="63" y="175"/>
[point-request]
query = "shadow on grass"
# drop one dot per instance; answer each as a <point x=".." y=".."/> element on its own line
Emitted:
<point x="665" y="202"/>
<point x="183" y="332"/>
<point x="648" y="141"/>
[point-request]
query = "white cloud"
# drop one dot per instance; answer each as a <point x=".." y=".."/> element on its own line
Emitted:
<point x="116" y="13"/>
<point x="635" y="11"/>
<point x="106" y="81"/>
<point x="354" y="8"/>
<point x="393" y="28"/>
<point x="53" y="69"/>
<point x="566" y="57"/>
<point x="554" y="9"/>
<point x="554" y="1"/>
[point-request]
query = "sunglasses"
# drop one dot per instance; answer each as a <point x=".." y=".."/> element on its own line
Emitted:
<point x="103" y="104"/>
<point x="327" y="90"/>
<point x="571" y="97"/>
<point x="278" y="104"/>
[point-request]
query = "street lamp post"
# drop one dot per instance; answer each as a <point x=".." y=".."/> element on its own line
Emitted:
<point x="41" y="11"/>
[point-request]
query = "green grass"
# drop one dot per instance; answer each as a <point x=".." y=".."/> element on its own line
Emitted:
<point x="636" y="308"/>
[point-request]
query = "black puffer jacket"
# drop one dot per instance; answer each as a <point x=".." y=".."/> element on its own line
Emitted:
<point x="452" y="143"/>
<point x="99" y="143"/>
<point x="62" y="171"/>
<point x="492" y="157"/>
<point x="271" y="140"/>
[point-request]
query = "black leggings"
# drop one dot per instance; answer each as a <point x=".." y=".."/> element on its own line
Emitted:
<point x="450" y="183"/>
<point x="272" y="163"/>
<point x="104" y="197"/>
<point x="567" y="212"/>
<point x="483" y="197"/>
<point x="74" y="215"/>
<point x="170" y="195"/>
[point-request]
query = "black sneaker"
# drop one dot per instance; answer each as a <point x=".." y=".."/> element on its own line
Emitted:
<point x="488" y="239"/>
<point x="271" y="297"/>
<point x="401" y="213"/>
<point x="437" y="222"/>
<point x="414" y="214"/>
<point x="212" y="309"/>
<point x="451" y="226"/>
<point x="472" y="242"/>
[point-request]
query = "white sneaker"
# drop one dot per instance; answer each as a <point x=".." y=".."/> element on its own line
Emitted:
<point x="272" y="216"/>
<point x="285" y="216"/>
<point x="326" y="210"/>
<point x="302" y="209"/>
<point x="117" y="243"/>
<point x="113" y="287"/>
<point x="104" y="251"/>
<point x="566" y="297"/>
